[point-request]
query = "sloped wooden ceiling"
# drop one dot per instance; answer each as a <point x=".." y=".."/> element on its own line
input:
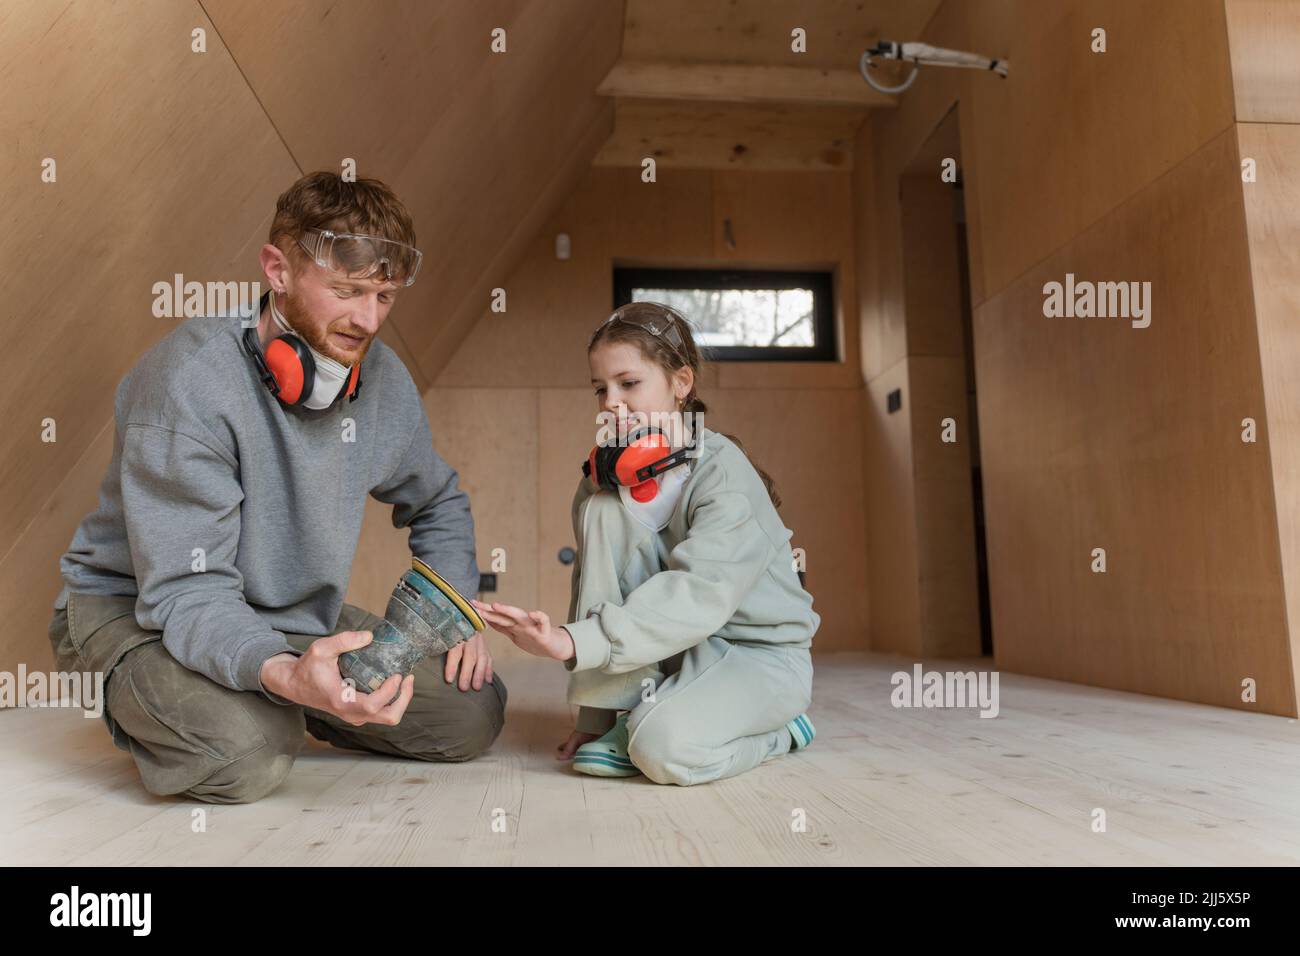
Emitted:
<point x="481" y="146"/>
<point x="717" y="85"/>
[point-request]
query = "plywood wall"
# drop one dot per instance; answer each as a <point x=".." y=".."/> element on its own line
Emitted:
<point x="1264" y="36"/>
<point x="1133" y="444"/>
<point x="527" y="369"/>
<point x="1116" y="166"/>
<point x="147" y="187"/>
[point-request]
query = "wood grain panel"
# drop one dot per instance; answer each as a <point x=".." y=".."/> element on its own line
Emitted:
<point x="740" y="83"/>
<point x="731" y="136"/>
<point x="866" y="310"/>
<point x="29" y="573"/>
<point x="1095" y="434"/>
<point x="792" y="220"/>
<point x="1071" y="133"/>
<point x="931" y="271"/>
<point x="1273" y="228"/>
<point x="444" y="338"/>
<point x="945" y="510"/>
<point x="1264" y="42"/>
<point x="891" y="523"/>
<point x="1194" y="786"/>
<point x="807" y="440"/>
<point x="135" y="203"/>
<point x="566" y="432"/>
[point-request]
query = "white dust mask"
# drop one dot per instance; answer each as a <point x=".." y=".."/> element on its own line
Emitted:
<point x="331" y="377"/>
<point x="656" y="512"/>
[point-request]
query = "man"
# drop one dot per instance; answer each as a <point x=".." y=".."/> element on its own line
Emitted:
<point x="208" y="586"/>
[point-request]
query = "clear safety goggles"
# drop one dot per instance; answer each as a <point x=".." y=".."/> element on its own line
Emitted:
<point x="359" y="256"/>
<point x="663" y="327"/>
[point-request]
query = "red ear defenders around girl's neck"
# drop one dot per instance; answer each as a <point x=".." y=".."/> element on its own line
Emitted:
<point x="288" y="370"/>
<point x="635" y="464"/>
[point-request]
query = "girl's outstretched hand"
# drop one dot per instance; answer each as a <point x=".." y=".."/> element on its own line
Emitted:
<point x="530" y="630"/>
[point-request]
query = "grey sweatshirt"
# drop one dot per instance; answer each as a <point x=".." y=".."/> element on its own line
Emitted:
<point x="205" y="457"/>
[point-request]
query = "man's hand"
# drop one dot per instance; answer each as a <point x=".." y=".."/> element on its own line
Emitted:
<point x="313" y="680"/>
<point x="530" y="630"/>
<point x="474" y="661"/>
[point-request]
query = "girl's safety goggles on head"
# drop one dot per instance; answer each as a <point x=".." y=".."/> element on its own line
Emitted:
<point x="352" y="254"/>
<point x="664" y="327"/>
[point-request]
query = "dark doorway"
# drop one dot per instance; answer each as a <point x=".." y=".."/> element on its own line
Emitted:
<point x="972" y="412"/>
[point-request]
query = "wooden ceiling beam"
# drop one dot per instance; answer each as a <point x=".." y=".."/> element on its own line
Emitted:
<point x="741" y="83"/>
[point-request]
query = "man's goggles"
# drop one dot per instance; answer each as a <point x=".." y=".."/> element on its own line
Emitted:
<point x="361" y="256"/>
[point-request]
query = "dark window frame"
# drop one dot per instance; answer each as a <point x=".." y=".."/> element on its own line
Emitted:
<point x="822" y="283"/>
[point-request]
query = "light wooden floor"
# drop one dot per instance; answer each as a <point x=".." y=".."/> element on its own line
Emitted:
<point x="1180" y="784"/>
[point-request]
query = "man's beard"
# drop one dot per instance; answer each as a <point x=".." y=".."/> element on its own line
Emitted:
<point x="295" y="313"/>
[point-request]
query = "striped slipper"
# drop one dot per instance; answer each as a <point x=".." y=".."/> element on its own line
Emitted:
<point x="606" y="756"/>
<point x="802" y="732"/>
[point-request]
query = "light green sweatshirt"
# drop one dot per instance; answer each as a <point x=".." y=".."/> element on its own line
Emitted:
<point x="730" y="572"/>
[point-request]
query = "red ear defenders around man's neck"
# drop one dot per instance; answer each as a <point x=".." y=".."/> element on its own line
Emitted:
<point x="288" y="370"/>
<point x="634" y="465"/>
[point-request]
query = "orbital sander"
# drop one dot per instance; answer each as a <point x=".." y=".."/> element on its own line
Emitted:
<point x="426" y="617"/>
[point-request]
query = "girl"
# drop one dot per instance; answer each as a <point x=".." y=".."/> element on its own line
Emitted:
<point x="689" y="631"/>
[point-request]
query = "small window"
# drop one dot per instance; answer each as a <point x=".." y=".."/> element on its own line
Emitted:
<point x="743" y="315"/>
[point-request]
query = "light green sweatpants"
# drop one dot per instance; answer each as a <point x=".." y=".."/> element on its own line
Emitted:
<point x="716" y="709"/>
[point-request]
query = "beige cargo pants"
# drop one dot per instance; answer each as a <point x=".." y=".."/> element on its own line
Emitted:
<point x="196" y="738"/>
